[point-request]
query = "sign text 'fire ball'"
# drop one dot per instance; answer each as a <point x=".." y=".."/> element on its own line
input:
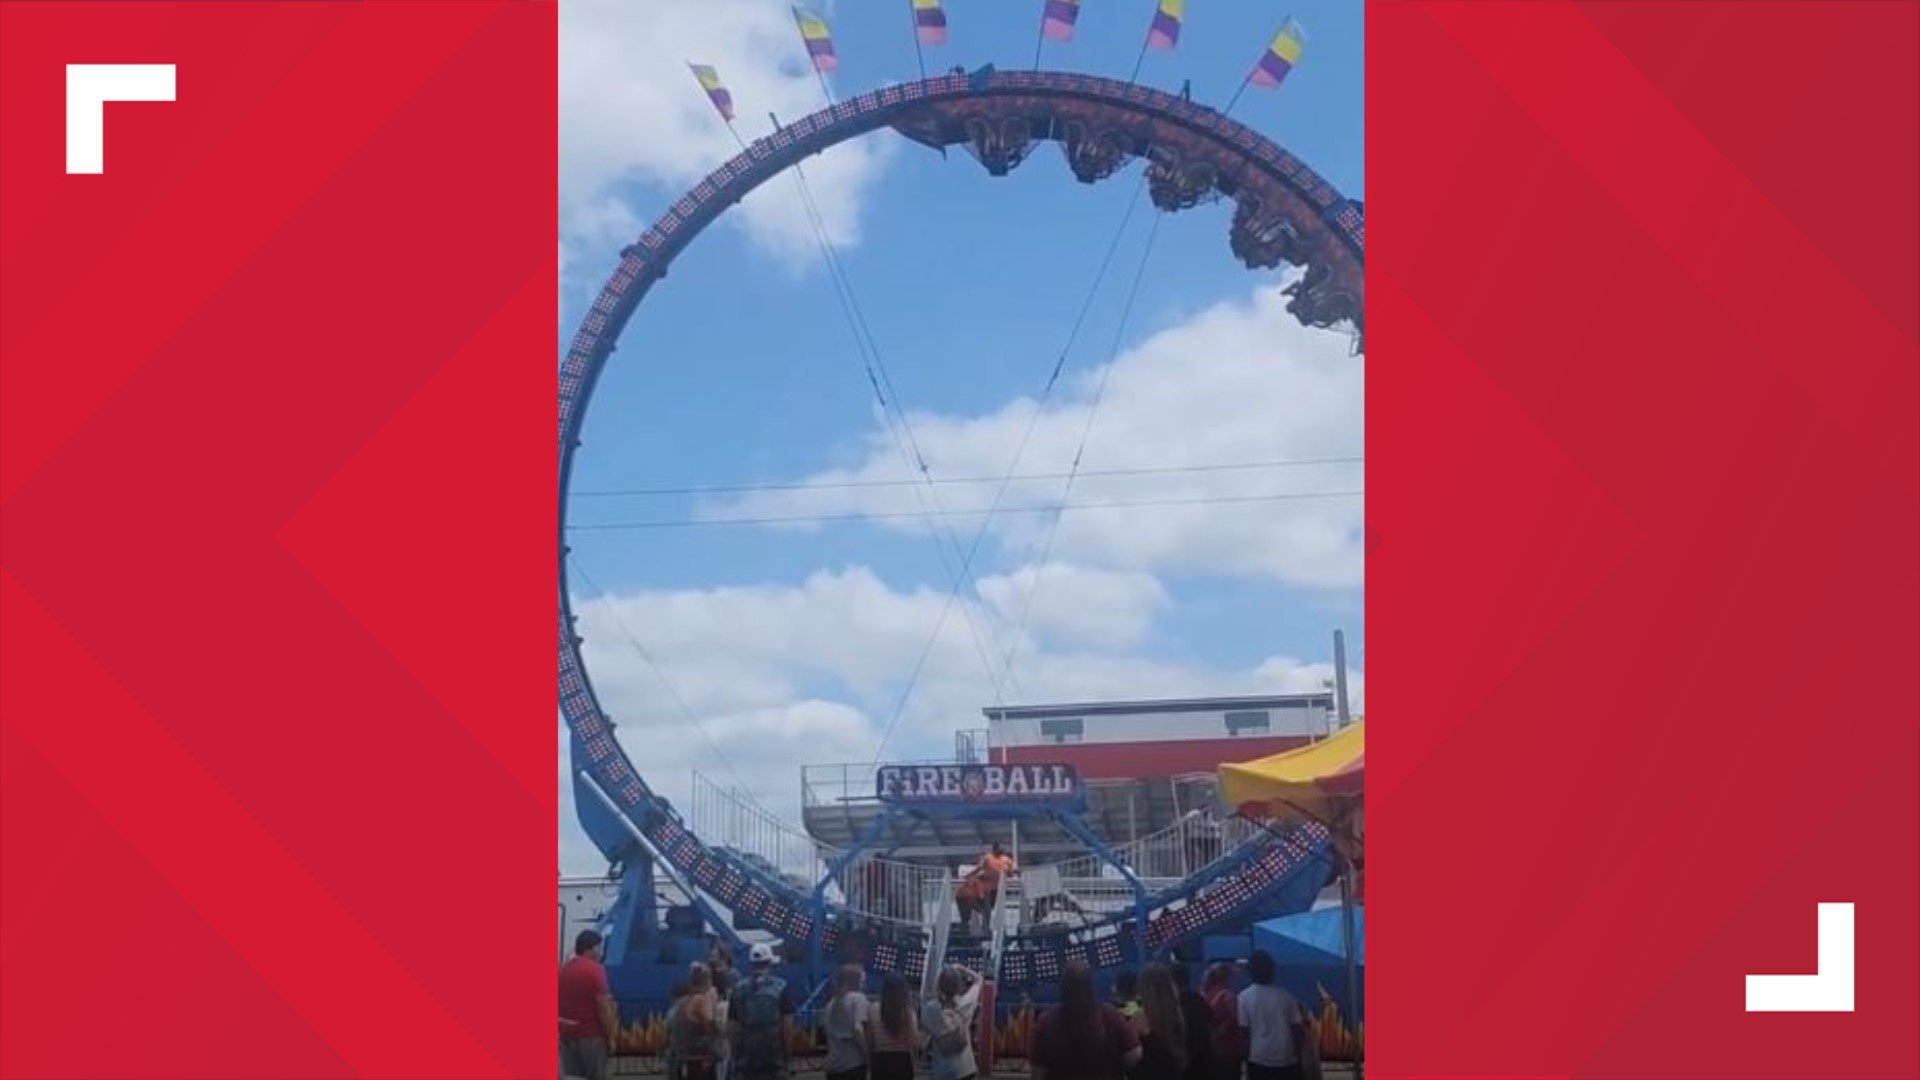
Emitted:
<point x="976" y="783"/>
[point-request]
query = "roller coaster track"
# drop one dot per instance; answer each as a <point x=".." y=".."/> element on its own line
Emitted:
<point x="1284" y="214"/>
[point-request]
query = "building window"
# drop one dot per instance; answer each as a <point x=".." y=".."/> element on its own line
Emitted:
<point x="1063" y="731"/>
<point x="1248" y="723"/>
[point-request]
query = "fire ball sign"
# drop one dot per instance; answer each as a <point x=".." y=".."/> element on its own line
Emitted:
<point x="922" y="784"/>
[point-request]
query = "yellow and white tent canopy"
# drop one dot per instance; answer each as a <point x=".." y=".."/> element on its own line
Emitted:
<point x="1324" y="782"/>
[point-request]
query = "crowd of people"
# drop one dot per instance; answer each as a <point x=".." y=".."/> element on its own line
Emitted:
<point x="1158" y="1026"/>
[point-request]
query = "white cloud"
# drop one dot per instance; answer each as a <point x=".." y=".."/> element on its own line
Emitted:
<point x="783" y="676"/>
<point x="1076" y="604"/>
<point x="1239" y="382"/>
<point x="630" y="112"/>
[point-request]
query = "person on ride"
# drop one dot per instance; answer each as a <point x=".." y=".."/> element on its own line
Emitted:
<point x="693" y="1034"/>
<point x="948" y="1018"/>
<point x="1162" y="1027"/>
<point x="995" y="865"/>
<point x="982" y="887"/>
<point x="896" y="1033"/>
<point x="970" y="899"/>
<point x="849" y="1031"/>
<point x="1081" y="1039"/>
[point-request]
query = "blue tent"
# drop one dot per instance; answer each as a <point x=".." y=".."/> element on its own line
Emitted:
<point x="1309" y="950"/>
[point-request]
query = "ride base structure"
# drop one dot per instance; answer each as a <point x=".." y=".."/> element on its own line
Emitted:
<point x="731" y="899"/>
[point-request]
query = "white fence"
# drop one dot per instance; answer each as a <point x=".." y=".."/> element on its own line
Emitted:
<point x="908" y="894"/>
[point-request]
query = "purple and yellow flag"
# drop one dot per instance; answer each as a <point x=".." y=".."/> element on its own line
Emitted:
<point x="709" y="80"/>
<point x="1165" y="31"/>
<point x="813" y="31"/>
<point x="1280" y="56"/>
<point x="1056" y="21"/>
<point x="929" y="22"/>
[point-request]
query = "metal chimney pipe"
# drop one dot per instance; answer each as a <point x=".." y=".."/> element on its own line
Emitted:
<point x="1340" y="677"/>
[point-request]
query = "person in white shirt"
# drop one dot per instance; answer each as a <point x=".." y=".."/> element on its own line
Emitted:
<point x="1275" y="1025"/>
<point x="954" y="1006"/>
<point x="849" y="1032"/>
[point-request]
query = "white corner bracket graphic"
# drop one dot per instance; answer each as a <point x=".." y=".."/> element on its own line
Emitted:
<point x="1829" y="988"/>
<point x="89" y="88"/>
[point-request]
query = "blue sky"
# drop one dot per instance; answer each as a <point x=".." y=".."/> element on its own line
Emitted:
<point x="788" y="643"/>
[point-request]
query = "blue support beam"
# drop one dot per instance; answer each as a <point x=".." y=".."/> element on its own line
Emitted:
<point x="1078" y="828"/>
<point x="633" y="922"/>
<point x="817" y="900"/>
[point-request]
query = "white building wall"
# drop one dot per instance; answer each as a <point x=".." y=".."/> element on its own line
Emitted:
<point x="1146" y="727"/>
<point x="583" y="903"/>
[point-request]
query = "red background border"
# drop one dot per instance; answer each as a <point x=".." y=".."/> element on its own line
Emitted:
<point x="276" y="407"/>
<point x="1644" y="484"/>
<point x="277" y="601"/>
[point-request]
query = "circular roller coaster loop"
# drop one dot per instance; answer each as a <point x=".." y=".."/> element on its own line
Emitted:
<point x="1284" y="214"/>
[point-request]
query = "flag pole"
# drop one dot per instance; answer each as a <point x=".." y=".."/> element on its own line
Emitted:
<point x="1140" y="60"/>
<point x="724" y="118"/>
<point x="1248" y="81"/>
<point x="1040" y="41"/>
<point x="1235" y="99"/>
<point x="919" y="52"/>
<point x="825" y="89"/>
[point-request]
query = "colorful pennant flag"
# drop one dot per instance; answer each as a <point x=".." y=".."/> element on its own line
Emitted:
<point x="813" y="31"/>
<point x="1056" y="23"/>
<point x="716" y="90"/>
<point x="1280" y="56"/>
<point x="929" y="22"/>
<point x="1165" y="31"/>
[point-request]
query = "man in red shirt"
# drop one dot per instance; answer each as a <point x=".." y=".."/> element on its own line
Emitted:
<point x="587" y="1015"/>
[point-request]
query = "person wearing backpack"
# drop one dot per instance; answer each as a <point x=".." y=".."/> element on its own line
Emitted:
<point x="948" y="1018"/>
<point x="761" y="1015"/>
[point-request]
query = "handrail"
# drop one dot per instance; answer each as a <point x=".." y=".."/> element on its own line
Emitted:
<point x="694" y="896"/>
<point x="998" y="942"/>
<point x="941" y="934"/>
